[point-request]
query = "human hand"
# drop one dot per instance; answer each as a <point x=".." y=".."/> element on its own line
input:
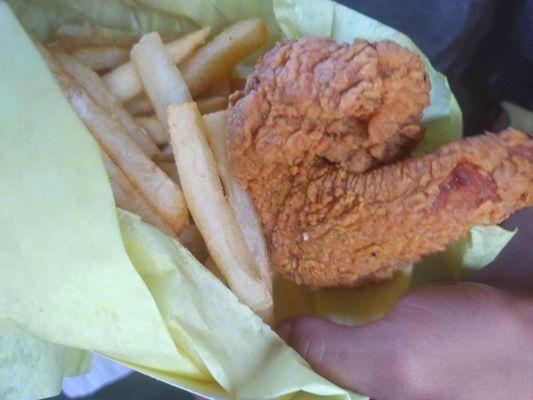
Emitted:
<point x="463" y="341"/>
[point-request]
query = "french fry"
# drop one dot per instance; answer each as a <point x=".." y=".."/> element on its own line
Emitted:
<point x="97" y="89"/>
<point x="238" y="199"/>
<point x="211" y="104"/>
<point x="162" y="81"/>
<point x="212" y="266"/>
<point x="128" y="198"/>
<point x="181" y="48"/>
<point x="71" y="43"/>
<point x="154" y="128"/>
<point x="222" y="87"/>
<point x="217" y="58"/>
<point x="102" y="57"/>
<point x="163" y="195"/>
<point x="192" y="239"/>
<point x="139" y="105"/>
<point x="126" y="84"/>
<point x="209" y="208"/>
<point x="85" y="29"/>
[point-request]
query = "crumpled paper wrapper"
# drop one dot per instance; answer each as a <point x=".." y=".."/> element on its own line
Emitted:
<point x="78" y="275"/>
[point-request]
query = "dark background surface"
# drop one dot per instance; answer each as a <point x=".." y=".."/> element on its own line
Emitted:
<point x="485" y="48"/>
<point x="136" y="387"/>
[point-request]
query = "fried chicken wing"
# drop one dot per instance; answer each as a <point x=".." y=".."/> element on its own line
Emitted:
<point x="320" y="138"/>
<point x="339" y="228"/>
<point x="356" y="106"/>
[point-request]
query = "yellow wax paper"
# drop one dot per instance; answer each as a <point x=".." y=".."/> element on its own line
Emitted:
<point x="519" y="117"/>
<point x="26" y="359"/>
<point x="74" y="274"/>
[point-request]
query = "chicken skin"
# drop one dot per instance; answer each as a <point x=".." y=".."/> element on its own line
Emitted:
<point x="320" y="138"/>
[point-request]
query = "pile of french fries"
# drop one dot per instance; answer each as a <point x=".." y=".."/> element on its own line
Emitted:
<point x="157" y="108"/>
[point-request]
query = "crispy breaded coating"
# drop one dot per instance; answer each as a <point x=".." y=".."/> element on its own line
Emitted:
<point x="357" y="106"/>
<point x="309" y="138"/>
<point x="339" y="228"/>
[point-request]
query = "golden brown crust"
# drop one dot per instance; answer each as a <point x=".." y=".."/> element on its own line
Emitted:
<point x="356" y="106"/>
<point x="338" y="228"/>
<point x="308" y="138"/>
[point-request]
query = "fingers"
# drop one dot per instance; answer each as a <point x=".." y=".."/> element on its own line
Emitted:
<point x="345" y="355"/>
<point x="319" y="341"/>
<point x="436" y="339"/>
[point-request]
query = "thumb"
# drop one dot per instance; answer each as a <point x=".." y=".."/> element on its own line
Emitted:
<point x="344" y="355"/>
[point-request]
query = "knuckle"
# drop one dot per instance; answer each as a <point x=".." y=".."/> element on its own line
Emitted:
<point x="310" y="341"/>
<point x="315" y="349"/>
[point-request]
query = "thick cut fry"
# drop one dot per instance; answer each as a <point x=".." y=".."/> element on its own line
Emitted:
<point x="128" y="198"/>
<point x="84" y="29"/>
<point x="239" y="201"/>
<point x="157" y="188"/>
<point x="140" y="105"/>
<point x="192" y="239"/>
<point x="103" y="57"/>
<point x="162" y="81"/>
<point x="212" y="266"/>
<point x="179" y="49"/>
<point x="126" y="84"/>
<point x="154" y="128"/>
<point x="96" y="87"/>
<point x="222" y="87"/>
<point x="217" y="58"/>
<point x="211" y="104"/>
<point x="71" y="43"/>
<point x="209" y="208"/>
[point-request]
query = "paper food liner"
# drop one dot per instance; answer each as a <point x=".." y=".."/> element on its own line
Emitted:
<point x="78" y="275"/>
